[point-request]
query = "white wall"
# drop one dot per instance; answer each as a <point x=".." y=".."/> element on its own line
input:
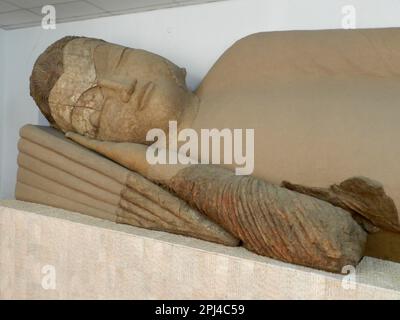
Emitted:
<point x="193" y="37"/>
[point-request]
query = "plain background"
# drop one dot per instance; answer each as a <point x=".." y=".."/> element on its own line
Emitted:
<point x="192" y="37"/>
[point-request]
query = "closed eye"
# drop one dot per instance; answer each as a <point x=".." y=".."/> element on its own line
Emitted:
<point x="126" y="91"/>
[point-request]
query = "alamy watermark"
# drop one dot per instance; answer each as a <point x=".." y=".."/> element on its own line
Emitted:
<point x="349" y="20"/>
<point x="49" y="19"/>
<point x="349" y="281"/>
<point x="49" y="277"/>
<point x="204" y="149"/>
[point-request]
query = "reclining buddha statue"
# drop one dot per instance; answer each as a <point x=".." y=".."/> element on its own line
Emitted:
<point x="324" y="109"/>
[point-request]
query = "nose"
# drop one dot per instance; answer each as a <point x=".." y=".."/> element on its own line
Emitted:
<point x="184" y="72"/>
<point x="144" y="94"/>
<point x="126" y="93"/>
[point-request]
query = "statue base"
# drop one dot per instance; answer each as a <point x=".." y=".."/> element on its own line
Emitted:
<point x="49" y="253"/>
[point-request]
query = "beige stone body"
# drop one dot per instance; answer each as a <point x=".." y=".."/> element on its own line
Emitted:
<point x="325" y="105"/>
<point x="324" y="108"/>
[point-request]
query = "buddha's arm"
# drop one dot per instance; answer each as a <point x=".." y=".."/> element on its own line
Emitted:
<point x="270" y="220"/>
<point x="129" y="155"/>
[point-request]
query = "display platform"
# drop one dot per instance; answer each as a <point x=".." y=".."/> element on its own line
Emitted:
<point x="48" y="253"/>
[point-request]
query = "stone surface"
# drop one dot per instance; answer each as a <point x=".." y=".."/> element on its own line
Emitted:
<point x="323" y="103"/>
<point x="98" y="259"/>
<point x="273" y="221"/>
<point x="108" y="92"/>
<point x="359" y="195"/>
<point x="384" y="245"/>
<point x="270" y="220"/>
<point x="57" y="172"/>
<point x="294" y="89"/>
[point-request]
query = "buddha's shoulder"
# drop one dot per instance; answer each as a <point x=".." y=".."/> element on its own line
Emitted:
<point x="269" y="56"/>
<point x="314" y="36"/>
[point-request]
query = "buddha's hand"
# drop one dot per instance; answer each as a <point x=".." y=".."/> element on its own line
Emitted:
<point x="129" y="155"/>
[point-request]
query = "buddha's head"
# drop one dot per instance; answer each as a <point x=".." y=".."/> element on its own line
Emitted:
<point x="106" y="91"/>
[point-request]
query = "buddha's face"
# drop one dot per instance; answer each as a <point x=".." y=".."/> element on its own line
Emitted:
<point x="114" y="93"/>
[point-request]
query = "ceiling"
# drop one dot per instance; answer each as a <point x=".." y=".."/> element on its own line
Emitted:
<point x="16" y="14"/>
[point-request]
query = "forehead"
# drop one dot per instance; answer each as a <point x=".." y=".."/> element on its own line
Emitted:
<point x="114" y="61"/>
